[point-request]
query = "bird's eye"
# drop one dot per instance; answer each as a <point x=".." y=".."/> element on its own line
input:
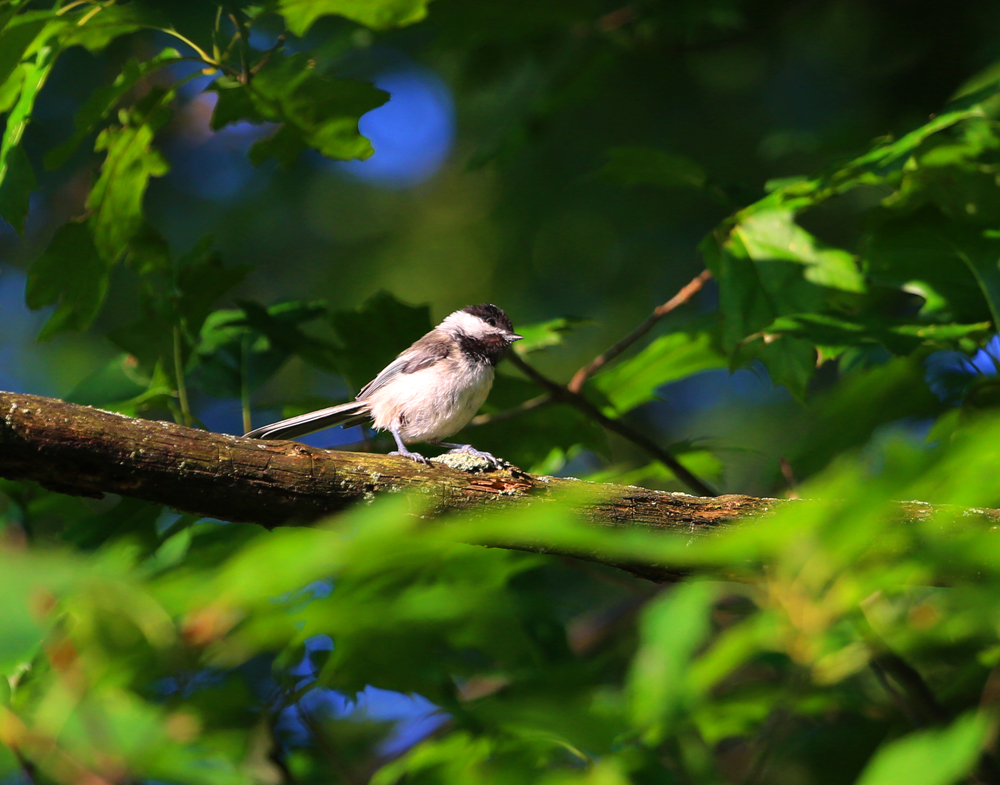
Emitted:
<point x="491" y="322"/>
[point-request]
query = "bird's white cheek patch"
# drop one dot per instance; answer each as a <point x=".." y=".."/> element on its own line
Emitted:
<point x="463" y="322"/>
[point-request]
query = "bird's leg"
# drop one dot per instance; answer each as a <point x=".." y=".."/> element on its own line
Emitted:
<point x="402" y="451"/>
<point x="472" y="451"/>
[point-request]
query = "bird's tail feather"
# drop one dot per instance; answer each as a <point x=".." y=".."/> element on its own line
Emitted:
<point x="353" y="413"/>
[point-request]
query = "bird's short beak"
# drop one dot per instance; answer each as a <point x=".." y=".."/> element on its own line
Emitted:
<point x="511" y="337"/>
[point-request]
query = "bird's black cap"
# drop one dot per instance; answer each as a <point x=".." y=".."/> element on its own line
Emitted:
<point x="490" y="314"/>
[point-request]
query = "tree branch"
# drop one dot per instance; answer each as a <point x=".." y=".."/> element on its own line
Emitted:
<point x="571" y="392"/>
<point x="88" y="452"/>
<point x="564" y="395"/>
<point x="684" y="295"/>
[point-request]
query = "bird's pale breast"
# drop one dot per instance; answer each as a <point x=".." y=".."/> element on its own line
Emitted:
<point x="423" y="408"/>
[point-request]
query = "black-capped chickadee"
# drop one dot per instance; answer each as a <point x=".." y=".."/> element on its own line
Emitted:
<point x="428" y="392"/>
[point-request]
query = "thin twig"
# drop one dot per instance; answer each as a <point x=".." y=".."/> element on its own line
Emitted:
<point x="182" y="395"/>
<point x="28" y="769"/>
<point x="326" y="746"/>
<point x="201" y="52"/>
<point x="913" y="686"/>
<point x="245" y="384"/>
<point x="90" y="15"/>
<point x="897" y="697"/>
<point x="563" y="395"/>
<point x="244" y="71"/>
<point x="987" y="770"/>
<point x="268" y="55"/>
<point x="922" y="707"/>
<point x="70" y="6"/>
<point x="686" y="292"/>
<point x="789" y="475"/>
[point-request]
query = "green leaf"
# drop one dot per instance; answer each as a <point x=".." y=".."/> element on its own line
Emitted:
<point x="245" y="348"/>
<point x="201" y="279"/>
<point x="371" y="335"/>
<point x="546" y="334"/>
<point x="117" y="381"/>
<point x="314" y="110"/>
<point x="16" y="37"/>
<point x="745" y="304"/>
<point x="15" y="190"/>
<point x="121" y="386"/>
<point x="11" y="90"/>
<point x="956" y="268"/>
<point x="377" y="14"/>
<point x="790" y="362"/>
<point x="94" y="29"/>
<point x="673" y="628"/>
<point x="767" y="266"/>
<point x="667" y="359"/>
<point x="132" y="518"/>
<point x="149" y="340"/>
<point x="103" y="100"/>
<point x="116" y="198"/>
<point x="17" y="180"/>
<point x="834" y="334"/>
<point x="71" y="275"/>
<point x="930" y="757"/>
<point x="176" y="296"/>
<point x="775" y="237"/>
<point x="281" y="325"/>
<point x="843" y="419"/>
<point x="883" y="164"/>
<point x="646" y="166"/>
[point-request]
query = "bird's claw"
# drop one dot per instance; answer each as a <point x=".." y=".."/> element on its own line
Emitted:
<point x="413" y="456"/>
<point x="468" y="448"/>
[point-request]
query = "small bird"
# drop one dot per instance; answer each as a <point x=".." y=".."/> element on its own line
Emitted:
<point x="426" y="394"/>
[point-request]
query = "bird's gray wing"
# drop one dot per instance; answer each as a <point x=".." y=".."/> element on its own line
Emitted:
<point x="428" y="351"/>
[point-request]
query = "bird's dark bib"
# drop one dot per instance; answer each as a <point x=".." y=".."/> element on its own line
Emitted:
<point x="489" y="349"/>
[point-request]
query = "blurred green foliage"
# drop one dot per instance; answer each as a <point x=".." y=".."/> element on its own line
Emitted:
<point x="605" y="154"/>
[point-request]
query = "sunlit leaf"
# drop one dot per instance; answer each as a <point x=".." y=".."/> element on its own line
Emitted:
<point x="16" y="36"/>
<point x="669" y="358"/>
<point x="117" y="196"/>
<point x="546" y="334"/>
<point x="94" y="29"/>
<point x="834" y="334"/>
<point x="377" y="14"/>
<point x="16" y="177"/>
<point x="772" y="238"/>
<point x="11" y="89"/>
<point x="103" y="100"/>
<point x="238" y="350"/>
<point x="314" y="110"/>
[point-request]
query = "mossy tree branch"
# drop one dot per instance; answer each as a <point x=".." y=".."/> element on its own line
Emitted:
<point x="89" y="452"/>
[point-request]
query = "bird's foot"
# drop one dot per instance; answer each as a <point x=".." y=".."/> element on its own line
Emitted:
<point x="468" y="448"/>
<point x="413" y="456"/>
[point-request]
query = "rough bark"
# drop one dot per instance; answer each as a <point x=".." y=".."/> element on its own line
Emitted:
<point x="88" y="452"/>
